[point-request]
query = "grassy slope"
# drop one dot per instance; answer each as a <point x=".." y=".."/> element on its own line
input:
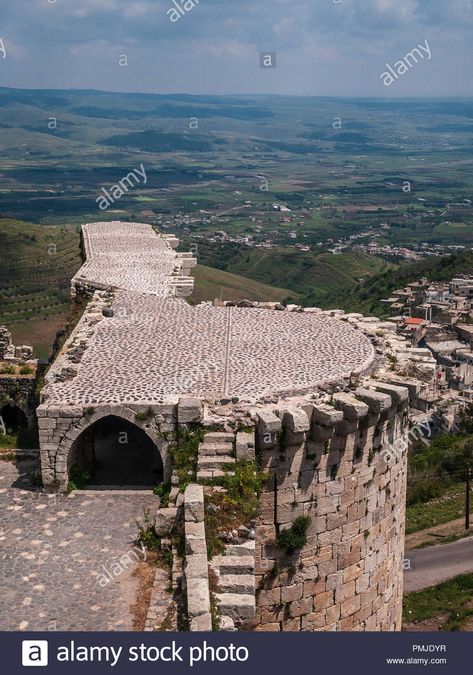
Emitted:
<point x="365" y="297"/>
<point x="212" y="283"/>
<point x="36" y="265"/>
<point x="450" y="600"/>
<point x="310" y="275"/>
<point x="437" y="511"/>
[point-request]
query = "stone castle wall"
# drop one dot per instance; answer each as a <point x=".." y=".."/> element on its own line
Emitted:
<point x="19" y="391"/>
<point x="342" y="463"/>
<point x="330" y="422"/>
<point x="345" y="468"/>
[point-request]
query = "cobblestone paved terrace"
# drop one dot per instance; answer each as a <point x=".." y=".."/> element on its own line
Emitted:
<point x="157" y="347"/>
<point x="127" y="255"/>
<point x="54" y="549"/>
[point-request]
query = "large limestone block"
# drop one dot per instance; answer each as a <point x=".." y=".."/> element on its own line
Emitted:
<point x="326" y="415"/>
<point x="399" y="394"/>
<point x="268" y="421"/>
<point x="189" y="410"/>
<point x="194" y="503"/>
<point x="296" y="421"/>
<point x="165" y="521"/>
<point x="269" y="426"/>
<point x="376" y="401"/>
<point x="197" y="566"/>
<point x="245" y="447"/>
<point x="352" y="408"/>
<point x="201" y="624"/>
<point x="239" y="607"/>
<point x="198" y="597"/>
<point x="194" y="546"/>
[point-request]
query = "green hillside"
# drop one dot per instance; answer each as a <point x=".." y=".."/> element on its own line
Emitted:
<point x="212" y="283"/>
<point x="308" y="275"/>
<point x="365" y="297"/>
<point x="36" y="266"/>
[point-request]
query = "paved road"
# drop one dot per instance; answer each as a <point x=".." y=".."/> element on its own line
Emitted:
<point x="54" y="549"/>
<point x="430" y="566"/>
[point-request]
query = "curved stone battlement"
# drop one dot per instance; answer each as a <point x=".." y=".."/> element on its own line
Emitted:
<point x="137" y="342"/>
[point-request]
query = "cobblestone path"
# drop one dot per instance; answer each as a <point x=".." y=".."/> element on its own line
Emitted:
<point x="56" y="551"/>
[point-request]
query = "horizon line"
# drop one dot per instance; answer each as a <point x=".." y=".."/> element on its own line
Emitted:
<point x="294" y="96"/>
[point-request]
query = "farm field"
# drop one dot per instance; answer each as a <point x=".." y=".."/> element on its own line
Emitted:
<point x="263" y="189"/>
<point x="36" y="265"/>
<point x="344" y="165"/>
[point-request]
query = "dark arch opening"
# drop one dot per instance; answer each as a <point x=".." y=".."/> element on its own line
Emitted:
<point x="14" y="419"/>
<point x="113" y="451"/>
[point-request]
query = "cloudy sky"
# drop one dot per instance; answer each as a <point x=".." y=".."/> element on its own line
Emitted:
<point x="323" y="47"/>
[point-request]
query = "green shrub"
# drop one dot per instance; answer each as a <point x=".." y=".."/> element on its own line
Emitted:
<point x="424" y="491"/>
<point x="147" y="533"/>
<point x="7" y="370"/>
<point x="26" y="370"/>
<point x="295" y="537"/>
<point x="163" y="491"/>
<point x="244" y="487"/>
<point x="78" y="478"/>
<point x="71" y="486"/>
<point x="185" y="453"/>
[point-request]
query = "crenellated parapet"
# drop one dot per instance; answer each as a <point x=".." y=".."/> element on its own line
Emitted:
<point x="341" y="462"/>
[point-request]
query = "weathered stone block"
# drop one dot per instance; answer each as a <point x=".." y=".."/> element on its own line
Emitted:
<point x="194" y="503"/>
<point x="202" y="623"/>
<point x="377" y="402"/>
<point x="352" y="408"/>
<point x="189" y="410"/>
<point x="326" y="415"/>
<point x="245" y="447"/>
<point x="196" y="566"/>
<point x="198" y="597"/>
<point x="296" y="421"/>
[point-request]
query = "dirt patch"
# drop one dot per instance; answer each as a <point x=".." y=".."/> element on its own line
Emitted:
<point x="144" y="574"/>
<point x="39" y="333"/>
<point x="434" y="624"/>
<point x="435" y="535"/>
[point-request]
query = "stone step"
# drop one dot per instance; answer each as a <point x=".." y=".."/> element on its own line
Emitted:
<point x="248" y="548"/>
<point x="205" y="474"/>
<point x="213" y="449"/>
<point x="215" y="462"/>
<point x="233" y="564"/>
<point x="237" y="583"/>
<point x="240" y="607"/>
<point x="218" y="437"/>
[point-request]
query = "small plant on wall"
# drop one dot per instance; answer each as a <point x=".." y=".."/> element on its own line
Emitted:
<point x="295" y="537"/>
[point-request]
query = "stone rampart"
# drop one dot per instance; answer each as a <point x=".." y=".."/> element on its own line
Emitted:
<point x="343" y="465"/>
<point x="316" y="394"/>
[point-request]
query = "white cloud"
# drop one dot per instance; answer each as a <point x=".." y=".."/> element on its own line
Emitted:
<point x="346" y="40"/>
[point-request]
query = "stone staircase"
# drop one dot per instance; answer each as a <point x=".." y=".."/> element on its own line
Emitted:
<point x="235" y="572"/>
<point x="215" y="452"/>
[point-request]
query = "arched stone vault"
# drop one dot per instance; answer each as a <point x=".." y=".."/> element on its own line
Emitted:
<point x="22" y="407"/>
<point x="67" y="426"/>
